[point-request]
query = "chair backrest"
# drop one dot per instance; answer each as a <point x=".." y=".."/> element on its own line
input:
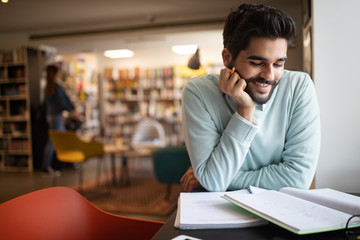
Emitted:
<point x="62" y="213"/>
<point x="149" y="133"/>
<point x="170" y="163"/>
<point x="64" y="140"/>
<point x="70" y="148"/>
<point x="67" y="146"/>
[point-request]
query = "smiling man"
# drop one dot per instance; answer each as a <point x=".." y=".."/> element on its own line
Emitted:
<point x="255" y="123"/>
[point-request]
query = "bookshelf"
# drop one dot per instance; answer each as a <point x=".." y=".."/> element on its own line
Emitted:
<point x="81" y="85"/>
<point x="19" y="99"/>
<point x="15" y="125"/>
<point x="133" y="94"/>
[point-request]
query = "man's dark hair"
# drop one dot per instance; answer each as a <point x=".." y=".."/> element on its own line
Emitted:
<point x="257" y="20"/>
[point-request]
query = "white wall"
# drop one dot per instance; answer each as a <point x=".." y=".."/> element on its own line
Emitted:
<point x="337" y="80"/>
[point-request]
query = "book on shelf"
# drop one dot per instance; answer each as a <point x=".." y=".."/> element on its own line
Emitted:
<point x="207" y="210"/>
<point x="301" y="211"/>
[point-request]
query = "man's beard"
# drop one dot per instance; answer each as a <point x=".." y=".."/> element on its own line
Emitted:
<point x="256" y="97"/>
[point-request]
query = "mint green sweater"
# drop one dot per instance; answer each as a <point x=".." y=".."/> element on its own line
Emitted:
<point x="229" y="153"/>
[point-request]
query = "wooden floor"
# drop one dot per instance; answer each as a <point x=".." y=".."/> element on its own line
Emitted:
<point x="13" y="184"/>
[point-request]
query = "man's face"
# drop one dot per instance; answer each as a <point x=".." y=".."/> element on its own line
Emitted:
<point x="261" y="64"/>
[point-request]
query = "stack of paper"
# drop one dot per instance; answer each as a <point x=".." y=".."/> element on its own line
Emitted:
<point x="208" y="210"/>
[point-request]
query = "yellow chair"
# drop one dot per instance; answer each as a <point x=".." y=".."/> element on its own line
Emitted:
<point x="59" y="213"/>
<point x="70" y="148"/>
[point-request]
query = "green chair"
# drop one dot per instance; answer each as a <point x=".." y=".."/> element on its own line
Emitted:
<point x="170" y="164"/>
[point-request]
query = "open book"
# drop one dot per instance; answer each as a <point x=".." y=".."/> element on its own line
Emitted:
<point x="301" y="211"/>
<point x="207" y="210"/>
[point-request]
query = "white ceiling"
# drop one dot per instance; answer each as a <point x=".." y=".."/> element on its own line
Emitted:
<point x="88" y="25"/>
<point x="51" y="15"/>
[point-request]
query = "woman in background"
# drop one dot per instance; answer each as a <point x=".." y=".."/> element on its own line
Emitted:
<point x="56" y="101"/>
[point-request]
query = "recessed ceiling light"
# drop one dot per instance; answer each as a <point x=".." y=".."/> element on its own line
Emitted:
<point x="120" y="53"/>
<point x="4" y="1"/>
<point x="184" y="49"/>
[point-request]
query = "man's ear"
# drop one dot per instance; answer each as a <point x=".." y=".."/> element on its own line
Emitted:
<point x="227" y="59"/>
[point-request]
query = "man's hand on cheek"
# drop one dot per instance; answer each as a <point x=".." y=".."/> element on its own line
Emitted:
<point x="233" y="85"/>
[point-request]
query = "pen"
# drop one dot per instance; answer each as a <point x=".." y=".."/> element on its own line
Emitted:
<point x="232" y="71"/>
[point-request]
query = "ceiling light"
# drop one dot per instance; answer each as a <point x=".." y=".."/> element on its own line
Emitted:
<point x="184" y="49"/>
<point x="120" y="53"/>
<point x="4" y="1"/>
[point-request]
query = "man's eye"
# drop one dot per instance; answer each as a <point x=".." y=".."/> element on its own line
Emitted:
<point x="279" y="64"/>
<point x="255" y="63"/>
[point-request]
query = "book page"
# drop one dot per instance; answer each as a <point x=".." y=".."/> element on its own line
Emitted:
<point x="201" y="210"/>
<point x="292" y="213"/>
<point x="328" y="197"/>
<point x="177" y="218"/>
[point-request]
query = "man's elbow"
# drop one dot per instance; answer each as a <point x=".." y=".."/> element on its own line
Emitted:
<point x="214" y="186"/>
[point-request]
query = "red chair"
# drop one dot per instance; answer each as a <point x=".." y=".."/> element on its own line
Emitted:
<point x="62" y="213"/>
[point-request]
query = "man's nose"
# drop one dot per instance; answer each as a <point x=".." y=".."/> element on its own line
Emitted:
<point x="268" y="73"/>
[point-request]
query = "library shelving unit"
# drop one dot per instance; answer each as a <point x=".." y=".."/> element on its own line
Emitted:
<point x="133" y="94"/>
<point x="81" y="85"/>
<point x="16" y="152"/>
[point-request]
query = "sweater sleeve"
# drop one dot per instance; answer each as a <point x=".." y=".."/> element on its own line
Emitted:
<point x="216" y="155"/>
